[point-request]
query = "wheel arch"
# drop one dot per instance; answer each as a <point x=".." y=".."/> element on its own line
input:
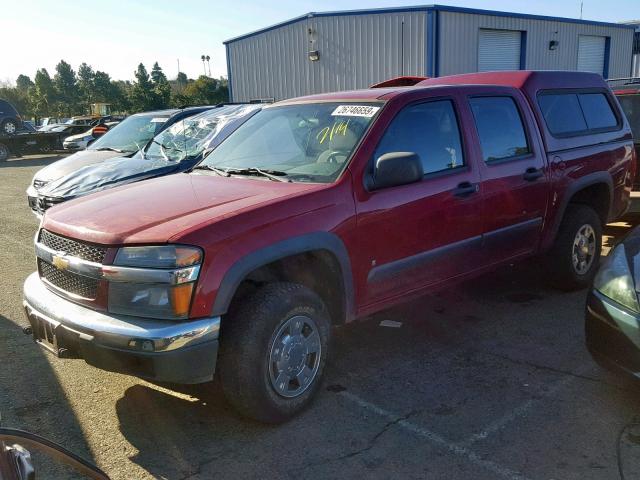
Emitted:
<point x="320" y="244"/>
<point x="595" y="190"/>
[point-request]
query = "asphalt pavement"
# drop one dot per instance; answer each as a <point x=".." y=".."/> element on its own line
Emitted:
<point x="489" y="379"/>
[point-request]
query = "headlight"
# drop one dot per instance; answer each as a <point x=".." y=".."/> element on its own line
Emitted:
<point x="614" y="280"/>
<point x="162" y="256"/>
<point x="156" y="300"/>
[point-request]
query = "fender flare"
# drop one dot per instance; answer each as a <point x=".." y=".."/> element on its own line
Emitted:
<point x="277" y="251"/>
<point x="578" y="184"/>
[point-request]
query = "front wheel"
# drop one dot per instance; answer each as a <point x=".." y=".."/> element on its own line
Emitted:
<point x="575" y="255"/>
<point x="273" y="352"/>
<point x="9" y="127"/>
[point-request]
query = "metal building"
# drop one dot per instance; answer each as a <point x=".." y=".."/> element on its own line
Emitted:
<point x="323" y="52"/>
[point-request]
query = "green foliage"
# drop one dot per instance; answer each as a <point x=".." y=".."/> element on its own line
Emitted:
<point x="69" y="93"/>
<point x="66" y="89"/>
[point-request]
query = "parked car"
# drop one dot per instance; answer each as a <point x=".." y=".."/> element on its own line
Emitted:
<point x="26" y="142"/>
<point x="124" y="140"/>
<point x="628" y="94"/>
<point x="82" y="140"/>
<point x="323" y="209"/>
<point x="612" y="327"/>
<point x="27" y="126"/>
<point x="175" y="149"/>
<point x="10" y="121"/>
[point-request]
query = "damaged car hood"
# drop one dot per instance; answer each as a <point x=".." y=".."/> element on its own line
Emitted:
<point x="74" y="162"/>
<point x="118" y="171"/>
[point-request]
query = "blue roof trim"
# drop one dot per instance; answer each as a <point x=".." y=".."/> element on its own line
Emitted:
<point x="229" y="84"/>
<point x="425" y="8"/>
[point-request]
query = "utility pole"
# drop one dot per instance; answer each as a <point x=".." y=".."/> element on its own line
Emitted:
<point x="178" y="65"/>
<point x="581" y="5"/>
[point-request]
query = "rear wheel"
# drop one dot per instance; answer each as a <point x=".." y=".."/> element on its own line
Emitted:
<point x="575" y="255"/>
<point x="273" y="352"/>
<point x="4" y="152"/>
<point x="9" y="127"/>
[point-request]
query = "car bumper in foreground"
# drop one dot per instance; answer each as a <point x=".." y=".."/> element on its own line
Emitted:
<point x="613" y="334"/>
<point x="159" y="350"/>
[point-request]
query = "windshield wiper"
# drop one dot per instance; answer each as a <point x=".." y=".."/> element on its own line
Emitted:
<point x="219" y="171"/>
<point x="110" y="149"/>
<point x="275" y="175"/>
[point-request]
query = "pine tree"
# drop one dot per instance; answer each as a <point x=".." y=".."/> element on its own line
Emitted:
<point x="66" y="88"/>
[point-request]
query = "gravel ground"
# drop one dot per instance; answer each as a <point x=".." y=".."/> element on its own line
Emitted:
<point x="487" y="380"/>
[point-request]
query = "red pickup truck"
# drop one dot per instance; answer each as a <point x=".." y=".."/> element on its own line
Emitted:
<point x="323" y="209"/>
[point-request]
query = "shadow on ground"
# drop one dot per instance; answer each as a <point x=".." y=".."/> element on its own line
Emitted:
<point x="29" y="161"/>
<point x="36" y="403"/>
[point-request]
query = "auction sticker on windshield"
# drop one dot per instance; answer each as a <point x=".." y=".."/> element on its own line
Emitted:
<point x="355" y="111"/>
<point x="159" y="119"/>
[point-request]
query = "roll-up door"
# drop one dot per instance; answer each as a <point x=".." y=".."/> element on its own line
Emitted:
<point x="499" y="50"/>
<point x="591" y="53"/>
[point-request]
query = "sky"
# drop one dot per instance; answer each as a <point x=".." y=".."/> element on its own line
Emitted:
<point x="116" y="35"/>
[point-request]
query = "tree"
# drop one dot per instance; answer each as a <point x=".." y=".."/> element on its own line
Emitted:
<point x="43" y="95"/>
<point x="207" y="90"/>
<point x="86" y="77"/>
<point x="142" y="96"/>
<point x="66" y="88"/>
<point x="23" y="83"/>
<point x="161" y="87"/>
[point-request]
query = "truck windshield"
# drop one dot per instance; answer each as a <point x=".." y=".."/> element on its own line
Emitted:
<point x="631" y="106"/>
<point x="307" y="142"/>
<point x="131" y="134"/>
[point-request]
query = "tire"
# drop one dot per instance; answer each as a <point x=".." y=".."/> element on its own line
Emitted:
<point x="258" y="343"/>
<point x="565" y="274"/>
<point x="9" y="127"/>
<point x="4" y="152"/>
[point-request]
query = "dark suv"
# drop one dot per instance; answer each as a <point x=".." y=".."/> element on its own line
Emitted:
<point x="10" y="121"/>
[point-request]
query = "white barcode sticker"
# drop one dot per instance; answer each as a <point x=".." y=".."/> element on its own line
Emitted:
<point x="355" y="111"/>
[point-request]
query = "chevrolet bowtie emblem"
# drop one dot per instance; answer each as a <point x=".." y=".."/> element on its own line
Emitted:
<point x="60" y="262"/>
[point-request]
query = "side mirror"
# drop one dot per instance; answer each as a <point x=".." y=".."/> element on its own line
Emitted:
<point x="396" y="168"/>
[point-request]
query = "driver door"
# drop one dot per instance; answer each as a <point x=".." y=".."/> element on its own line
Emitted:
<point x="427" y="232"/>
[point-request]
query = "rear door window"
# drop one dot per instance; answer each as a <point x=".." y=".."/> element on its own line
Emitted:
<point x="500" y="128"/>
<point x="429" y="129"/>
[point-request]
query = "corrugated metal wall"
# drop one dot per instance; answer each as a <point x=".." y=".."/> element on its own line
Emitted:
<point x="355" y="51"/>
<point x="459" y="40"/>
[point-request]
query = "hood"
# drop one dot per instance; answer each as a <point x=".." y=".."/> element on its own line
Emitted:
<point x="77" y="136"/>
<point x="72" y="163"/>
<point x="118" y="171"/>
<point x="159" y="209"/>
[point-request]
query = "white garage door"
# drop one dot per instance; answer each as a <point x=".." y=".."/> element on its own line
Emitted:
<point x="499" y="50"/>
<point x="591" y="53"/>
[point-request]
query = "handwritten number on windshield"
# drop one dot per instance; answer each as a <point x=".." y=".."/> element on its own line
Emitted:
<point x="338" y="128"/>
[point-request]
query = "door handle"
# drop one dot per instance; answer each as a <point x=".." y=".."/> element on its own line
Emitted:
<point x="465" y="189"/>
<point x="532" y="174"/>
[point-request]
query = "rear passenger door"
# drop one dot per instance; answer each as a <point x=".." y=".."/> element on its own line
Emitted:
<point x="514" y="175"/>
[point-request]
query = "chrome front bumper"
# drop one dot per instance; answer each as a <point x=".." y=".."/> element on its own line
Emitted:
<point x="162" y="350"/>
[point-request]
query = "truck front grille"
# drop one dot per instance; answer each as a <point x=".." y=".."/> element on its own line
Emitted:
<point x="73" y="248"/>
<point x="68" y="282"/>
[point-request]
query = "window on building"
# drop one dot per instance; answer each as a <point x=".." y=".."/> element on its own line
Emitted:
<point x="500" y="129"/>
<point x="428" y="129"/>
<point x="576" y="113"/>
